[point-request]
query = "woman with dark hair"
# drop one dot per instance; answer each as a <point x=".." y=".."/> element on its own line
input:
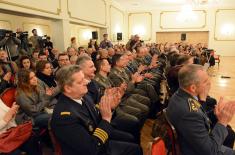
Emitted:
<point x="93" y="44"/>
<point x="44" y="73"/>
<point x="32" y="99"/>
<point x="26" y="63"/>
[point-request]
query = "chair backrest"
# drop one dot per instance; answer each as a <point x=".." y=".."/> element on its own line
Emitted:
<point x="173" y="136"/>
<point x="55" y="142"/>
<point x="157" y="147"/>
<point x="8" y="96"/>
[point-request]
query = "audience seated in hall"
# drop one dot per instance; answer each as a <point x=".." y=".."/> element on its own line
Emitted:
<point x="99" y="96"/>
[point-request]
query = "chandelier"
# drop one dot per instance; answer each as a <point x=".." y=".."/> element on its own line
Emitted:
<point x="205" y="2"/>
<point x="186" y="14"/>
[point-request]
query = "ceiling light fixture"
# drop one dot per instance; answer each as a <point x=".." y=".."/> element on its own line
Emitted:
<point x="206" y="2"/>
<point x="186" y="14"/>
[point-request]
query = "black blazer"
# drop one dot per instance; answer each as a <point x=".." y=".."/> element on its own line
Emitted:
<point x="79" y="128"/>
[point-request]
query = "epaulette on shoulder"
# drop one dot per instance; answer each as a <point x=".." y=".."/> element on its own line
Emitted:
<point x="194" y="105"/>
<point x="65" y="113"/>
<point x="97" y="79"/>
<point x="97" y="106"/>
<point x="115" y="71"/>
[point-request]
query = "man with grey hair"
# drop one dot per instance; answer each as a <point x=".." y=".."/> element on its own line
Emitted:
<point x="185" y="112"/>
<point x="76" y="123"/>
<point x="127" y="118"/>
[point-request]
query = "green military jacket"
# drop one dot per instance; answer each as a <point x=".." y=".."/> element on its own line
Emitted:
<point x="120" y="76"/>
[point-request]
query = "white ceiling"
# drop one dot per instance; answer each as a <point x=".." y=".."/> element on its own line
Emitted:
<point x="153" y="4"/>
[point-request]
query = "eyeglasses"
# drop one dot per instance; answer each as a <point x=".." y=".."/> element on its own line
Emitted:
<point x="64" y="60"/>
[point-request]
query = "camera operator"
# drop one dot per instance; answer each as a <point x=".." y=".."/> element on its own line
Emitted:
<point x="24" y="48"/>
<point x="48" y="44"/>
<point x="35" y="40"/>
<point x="10" y="43"/>
<point x="134" y="44"/>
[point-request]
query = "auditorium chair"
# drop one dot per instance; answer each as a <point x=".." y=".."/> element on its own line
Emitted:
<point x="156" y="147"/>
<point x="8" y="96"/>
<point x="174" y="150"/>
<point x="217" y="58"/>
<point x="56" y="144"/>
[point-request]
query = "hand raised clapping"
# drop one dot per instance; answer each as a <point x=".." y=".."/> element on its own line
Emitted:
<point x="225" y="111"/>
<point x="105" y="108"/>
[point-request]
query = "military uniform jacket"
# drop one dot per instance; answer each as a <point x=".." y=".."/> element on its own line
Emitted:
<point x="193" y="126"/>
<point x="79" y="128"/>
<point x="140" y="60"/>
<point x="132" y="66"/>
<point x="145" y="61"/>
<point x="103" y="83"/>
<point x="120" y="76"/>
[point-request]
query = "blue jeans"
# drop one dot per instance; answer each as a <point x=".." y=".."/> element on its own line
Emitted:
<point x="41" y="120"/>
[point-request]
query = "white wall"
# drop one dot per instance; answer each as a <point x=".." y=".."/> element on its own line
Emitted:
<point x="165" y="19"/>
<point x="64" y="18"/>
<point x="107" y="16"/>
<point x="117" y="22"/>
<point x="140" y="23"/>
<point x="82" y="33"/>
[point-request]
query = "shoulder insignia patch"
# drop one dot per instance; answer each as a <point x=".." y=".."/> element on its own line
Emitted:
<point x="65" y="113"/>
<point x="194" y="105"/>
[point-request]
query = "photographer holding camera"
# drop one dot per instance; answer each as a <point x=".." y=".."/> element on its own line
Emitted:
<point x="10" y="43"/>
<point x="136" y="42"/>
<point x="48" y="44"/>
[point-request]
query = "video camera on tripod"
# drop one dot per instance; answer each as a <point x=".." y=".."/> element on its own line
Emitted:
<point x="23" y="35"/>
<point x="6" y="33"/>
<point x="42" y="40"/>
<point x="10" y="39"/>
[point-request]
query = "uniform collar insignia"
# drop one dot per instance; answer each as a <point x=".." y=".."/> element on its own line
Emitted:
<point x="194" y="105"/>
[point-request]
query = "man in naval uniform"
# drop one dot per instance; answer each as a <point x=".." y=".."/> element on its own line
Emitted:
<point x="78" y="125"/>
